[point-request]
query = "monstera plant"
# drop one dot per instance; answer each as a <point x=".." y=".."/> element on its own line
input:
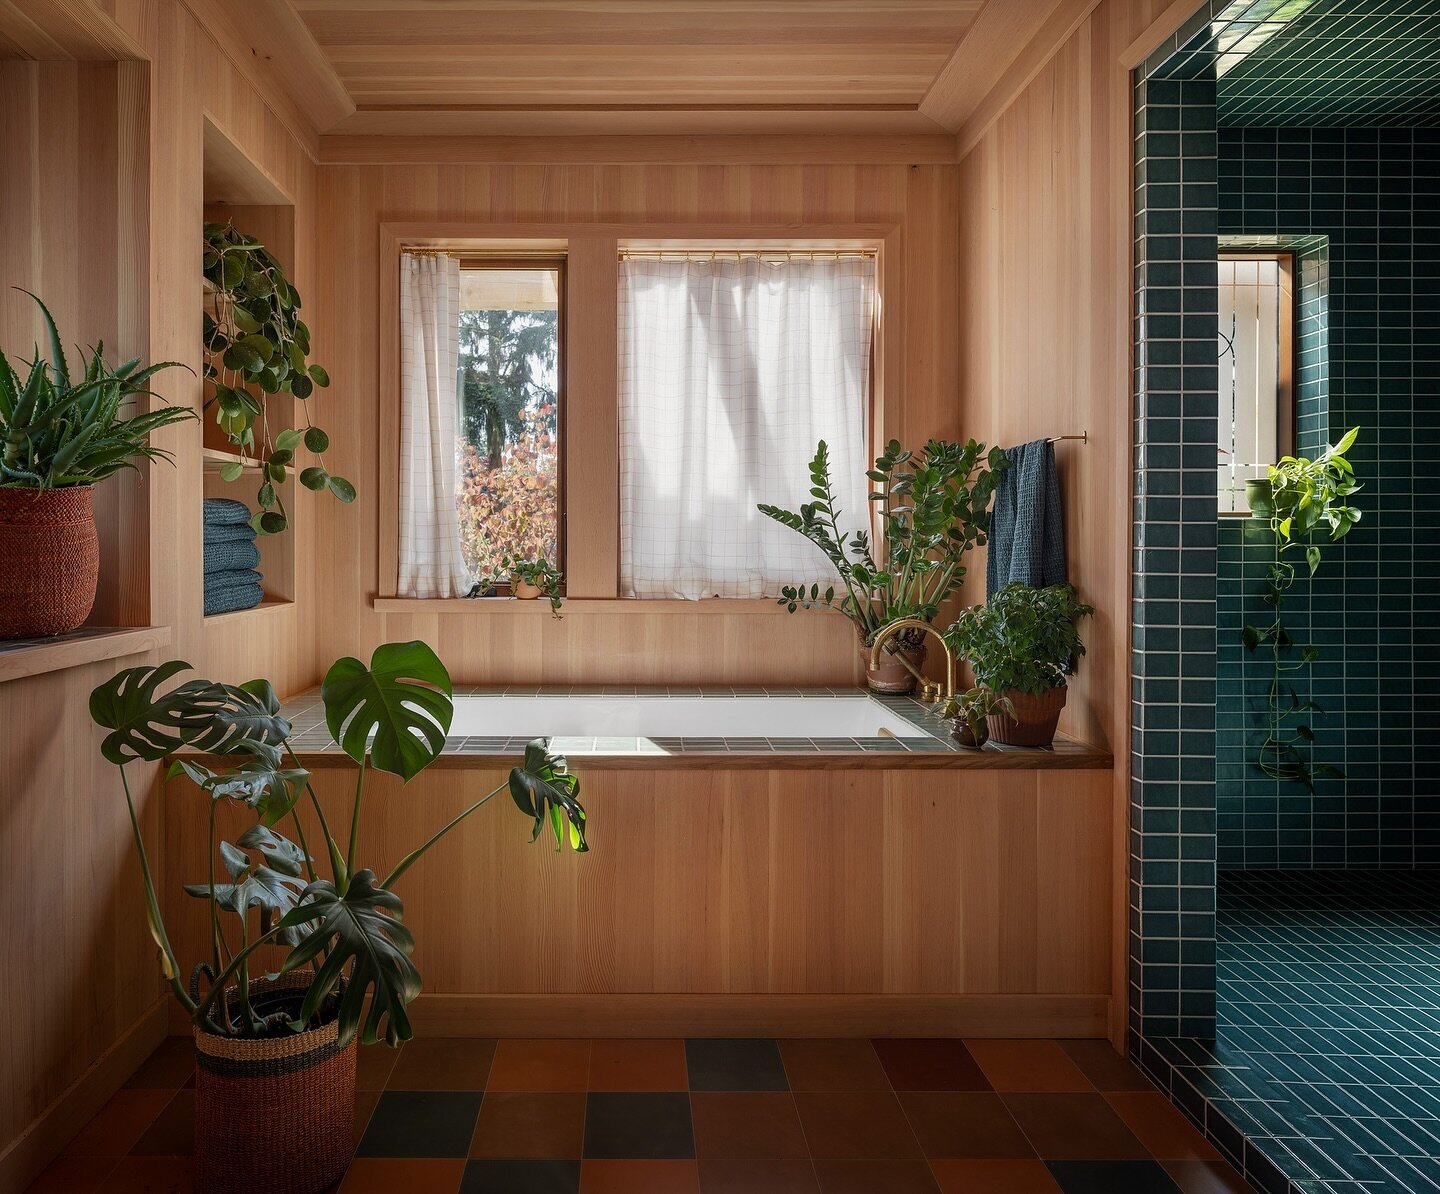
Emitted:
<point x="346" y="972"/>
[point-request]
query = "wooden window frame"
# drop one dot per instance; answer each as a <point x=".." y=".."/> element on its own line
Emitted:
<point x="589" y="359"/>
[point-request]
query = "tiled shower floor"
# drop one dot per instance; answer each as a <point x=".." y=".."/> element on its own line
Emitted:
<point x="1328" y="1048"/>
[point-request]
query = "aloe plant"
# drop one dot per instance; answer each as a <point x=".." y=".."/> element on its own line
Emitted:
<point x="57" y="430"/>
<point x="344" y="927"/>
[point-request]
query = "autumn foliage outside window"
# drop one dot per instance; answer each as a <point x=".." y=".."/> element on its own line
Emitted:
<point x="509" y="398"/>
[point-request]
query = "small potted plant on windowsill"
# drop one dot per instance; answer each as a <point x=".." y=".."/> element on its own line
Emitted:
<point x="275" y="1055"/>
<point x="968" y="715"/>
<point x="934" y="506"/>
<point x="532" y="579"/>
<point x="60" y="436"/>
<point x="1021" y="646"/>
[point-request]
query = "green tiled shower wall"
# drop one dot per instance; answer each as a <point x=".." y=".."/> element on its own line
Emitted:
<point x="1369" y="346"/>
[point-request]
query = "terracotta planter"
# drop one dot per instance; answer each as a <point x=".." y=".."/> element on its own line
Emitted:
<point x="275" y="1115"/>
<point x="1035" y="718"/>
<point x="891" y="676"/>
<point x="52" y="560"/>
<point x="524" y="590"/>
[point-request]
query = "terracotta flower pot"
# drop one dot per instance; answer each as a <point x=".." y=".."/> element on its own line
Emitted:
<point x="1035" y="718"/>
<point x="52" y="560"/>
<point x="524" y="590"/>
<point x="891" y="676"/>
<point x="275" y="1114"/>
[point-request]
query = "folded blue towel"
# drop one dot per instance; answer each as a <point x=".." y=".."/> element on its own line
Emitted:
<point x="226" y="512"/>
<point x="1027" y="529"/>
<point x="215" y="533"/>
<point x="234" y="555"/>
<point x="235" y="597"/>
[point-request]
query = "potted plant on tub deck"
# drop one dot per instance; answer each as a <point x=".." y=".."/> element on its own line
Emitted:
<point x="60" y="436"/>
<point x="1021" y="646"/>
<point x="275" y="1052"/>
<point x="933" y="507"/>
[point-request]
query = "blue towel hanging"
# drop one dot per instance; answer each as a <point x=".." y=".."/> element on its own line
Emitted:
<point x="1027" y="527"/>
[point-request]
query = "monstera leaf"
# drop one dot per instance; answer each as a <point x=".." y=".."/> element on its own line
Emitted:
<point x="544" y="789"/>
<point x="274" y="888"/>
<point x="360" y="927"/>
<point x="147" y="724"/>
<point x="402" y="699"/>
<point x="261" y="782"/>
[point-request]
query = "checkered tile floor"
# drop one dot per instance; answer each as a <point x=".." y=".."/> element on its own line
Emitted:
<point x="1327" y="1057"/>
<point x="470" y="1116"/>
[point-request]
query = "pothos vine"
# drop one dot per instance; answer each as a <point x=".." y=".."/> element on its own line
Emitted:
<point x="256" y="345"/>
<point x="1306" y="499"/>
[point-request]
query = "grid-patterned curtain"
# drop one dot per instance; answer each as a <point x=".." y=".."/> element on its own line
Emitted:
<point x="431" y="564"/>
<point x="731" y="369"/>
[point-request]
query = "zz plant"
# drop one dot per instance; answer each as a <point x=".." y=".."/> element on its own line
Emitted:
<point x="337" y="920"/>
<point x="934" y="506"/>
<point x="257" y="346"/>
<point x="1307" y="499"/>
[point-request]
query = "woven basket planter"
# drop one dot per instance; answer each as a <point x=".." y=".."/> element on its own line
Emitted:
<point x="274" y="1115"/>
<point x="1035" y="718"/>
<point x="52" y="560"/>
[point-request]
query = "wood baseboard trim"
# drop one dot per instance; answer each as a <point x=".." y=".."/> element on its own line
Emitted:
<point x="673" y="1015"/>
<point x="25" y="1157"/>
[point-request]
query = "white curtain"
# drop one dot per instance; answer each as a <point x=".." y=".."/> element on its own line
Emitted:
<point x="731" y="370"/>
<point x="431" y="564"/>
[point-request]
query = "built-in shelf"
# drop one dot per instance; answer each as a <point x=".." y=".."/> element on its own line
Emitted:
<point x="215" y="459"/>
<point x="35" y="656"/>
<point x="267" y="607"/>
<point x="479" y="606"/>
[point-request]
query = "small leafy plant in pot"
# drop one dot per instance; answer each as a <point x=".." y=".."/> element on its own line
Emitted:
<point x="1021" y="646"/>
<point x="934" y="506"/>
<point x="60" y="436"/>
<point x="532" y="579"/>
<point x="969" y="714"/>
<point x="275" y="1055"/>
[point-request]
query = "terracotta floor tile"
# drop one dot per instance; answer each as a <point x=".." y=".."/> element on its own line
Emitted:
<point x="1206" y="1177"/>
<point x="73" y="1175"/>
<point x="637" y="1065"/>
<point x="172" y="1133"/>
<point x="170" y="1067"/>
<point x="729" y="1063"/>
<point x="1110" y="1177"/>
<point x="539" y="1065"/>
<point x="365" y="1101"/>
<point x="414" y="1175"/>
<point x="422" y="1123"/>
<point x="1028" y="1065"/>
<point x="833" y="1065"/>
<point x="964" y="1124"/>
<point x="1161" y="1127"/>
<point x="858" y="1124"/>
<point x="1074" y="1127"/>
<point x="993" y="1177"/>
<point x="443" y="1063"/>
<point x="930" y="1065"/>
<point x="1105" y="1067"/>
<point x="746" y="1124"/>
<point x="373" y="1065"/>
<point x="639" y="1177"/>
<point x="486" y="1175"/>
<point x="529" y="1125"/>
<point x="150" y="1175"/>
<point x="871" y="1177"/>
<point x="757" y="1177"/>
<point x="119" y="1124"/>
<point x="638" y="1125"/>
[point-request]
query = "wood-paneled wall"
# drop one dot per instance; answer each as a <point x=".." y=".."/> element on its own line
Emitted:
<point x="100" y="211"/>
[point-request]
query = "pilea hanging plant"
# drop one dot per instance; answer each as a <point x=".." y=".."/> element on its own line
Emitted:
<point x="1300" y="500"/>
<point x="256" y="346"/>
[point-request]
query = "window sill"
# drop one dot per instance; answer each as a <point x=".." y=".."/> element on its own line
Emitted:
<point x="20" y="658"/>
<point x="481" y="606"/>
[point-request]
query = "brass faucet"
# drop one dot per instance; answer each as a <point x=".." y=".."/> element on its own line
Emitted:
<point x="930" y="692"/>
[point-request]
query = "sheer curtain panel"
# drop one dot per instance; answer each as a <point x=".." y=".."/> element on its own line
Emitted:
<point x="731" y="369"/>
<point x="431" y="564"/>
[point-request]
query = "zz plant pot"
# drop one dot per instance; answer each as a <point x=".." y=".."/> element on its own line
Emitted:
<point x="277" y="1113"/>
<point x="891" y="677"/>
<point x="1035" y="718"/>
<point x="52" y="560"/>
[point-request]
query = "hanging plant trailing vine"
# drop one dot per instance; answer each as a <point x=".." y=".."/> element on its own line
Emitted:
<point x="256" y="345"/>
<point x="1305" y="498"/>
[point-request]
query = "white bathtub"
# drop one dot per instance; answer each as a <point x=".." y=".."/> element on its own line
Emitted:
<point x="678" y="717"/>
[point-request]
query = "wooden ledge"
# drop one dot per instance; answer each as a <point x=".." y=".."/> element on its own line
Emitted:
<point x="35" y="656"/>
<point x="479" y="607"/>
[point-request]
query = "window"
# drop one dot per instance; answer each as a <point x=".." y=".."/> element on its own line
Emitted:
<point x="509" y="380"/>
<point x="732" y="367"/>
<point x="1257" y="330"/>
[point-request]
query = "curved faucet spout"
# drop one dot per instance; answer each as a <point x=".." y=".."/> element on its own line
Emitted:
<point x="890" y="629"/>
